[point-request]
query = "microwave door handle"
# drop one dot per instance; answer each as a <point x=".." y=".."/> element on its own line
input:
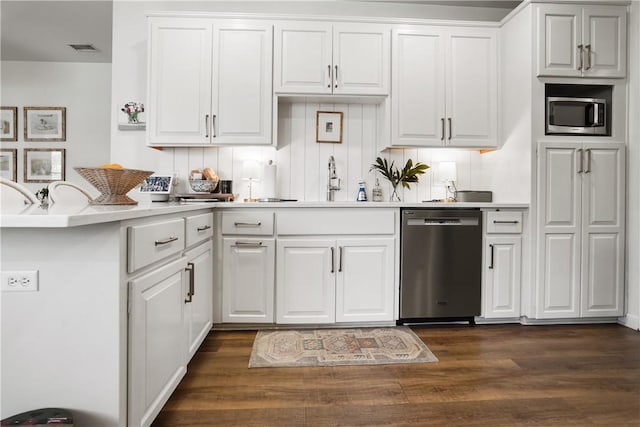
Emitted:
<point x="596" y="111"/>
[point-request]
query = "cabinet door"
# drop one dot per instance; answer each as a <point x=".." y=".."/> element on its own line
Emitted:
<point x="502" y="277"/>
<point x="157" y="355"/>
<point x="472" y="89"/>
<point x="241" y="111"/>
<point x="361" y="59"/>
<point x="305" y="286"/>
<point x="179" y="81"/>
<point x="303" y="58"/>
<point x="605" y="39"/>
<point x="559" y="40"/>
<point x="559" y="228"/>
<point x="603" y="212"/>
<point x="364" y="283"/>
<point x="418" y="91"/>
<point x="248" y="280"/>
<point x="199" y="305"/>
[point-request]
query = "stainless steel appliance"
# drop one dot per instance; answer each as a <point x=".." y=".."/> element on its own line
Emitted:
<point x="441" y="263"/>
<point x="474" y="196"/>
<point x="572" y="115"/>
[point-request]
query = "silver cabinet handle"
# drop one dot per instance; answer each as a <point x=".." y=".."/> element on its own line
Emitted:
<point x="206" y="126"/>
<point x="339" y="258"/>
<point x="443" y="132"/>
<point x="247" y="224"/>
<point x="581" y="53"/>
<point x="203" y="228"/>
<point x="449" y="119"/>
<point x="192" y="290"/>
<point x="336" y="77"/>
<point x="495" y="221"/>
<point x="588" y="47"/>
<point x="329" y="75"/>
<point x="588" y="153"/>
<point x="165" y="241"/>
<point x="491" y="259"/>
<point x="248" y="243"/>
<point x="213" y="126"/>
<point x="333" y="267"/>
<point x="579" y="151"/>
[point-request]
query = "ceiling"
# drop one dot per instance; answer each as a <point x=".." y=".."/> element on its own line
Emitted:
<point x="42" y="30"/>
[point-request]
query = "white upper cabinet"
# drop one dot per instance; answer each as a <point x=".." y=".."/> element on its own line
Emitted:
<point x="444" y="87"/>
<point x="325" y="58"/>
<point x="582" y="41"/>
<point x="209" y="82"/>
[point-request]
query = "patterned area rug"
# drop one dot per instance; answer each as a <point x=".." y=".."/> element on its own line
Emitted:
<point x="329" y="347"/>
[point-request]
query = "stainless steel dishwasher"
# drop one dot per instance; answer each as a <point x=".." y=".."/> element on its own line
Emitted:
<point x="440" y="264"/>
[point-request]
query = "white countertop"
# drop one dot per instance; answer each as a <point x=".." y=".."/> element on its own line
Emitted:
<point x="76" y="215"/>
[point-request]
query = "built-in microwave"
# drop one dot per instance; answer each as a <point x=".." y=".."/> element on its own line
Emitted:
<point x="570" y="115"/>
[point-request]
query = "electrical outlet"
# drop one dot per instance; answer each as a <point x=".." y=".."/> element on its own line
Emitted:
<point x="19" y="281"/>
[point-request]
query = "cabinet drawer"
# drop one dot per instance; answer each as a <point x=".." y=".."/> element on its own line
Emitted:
<point x="198" y="228"/>
<point x="504" y="222"/>
<point x="251" y="223"/>
<point x="336" y="221"/>
<point x="149" y="243"/>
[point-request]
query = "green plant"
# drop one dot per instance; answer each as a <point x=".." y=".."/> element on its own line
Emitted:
<point x="407" y="175"/>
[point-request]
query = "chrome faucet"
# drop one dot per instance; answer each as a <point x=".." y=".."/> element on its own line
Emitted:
<point x="333" y="182"/>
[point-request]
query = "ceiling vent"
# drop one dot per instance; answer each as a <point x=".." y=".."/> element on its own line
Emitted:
<point x="83" y="47"/>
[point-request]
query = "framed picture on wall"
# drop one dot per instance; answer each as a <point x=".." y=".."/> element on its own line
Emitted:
<point x="329" y="126"/>
<point x="43" y="164"/>
<point x="45" y="124"/>
<point x="9" y="163"/>
<point x="8" y="123"/>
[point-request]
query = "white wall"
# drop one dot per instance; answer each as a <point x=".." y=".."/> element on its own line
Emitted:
<point x="301" y="162"/>
<point x="633" y="172"/>
<point x="84" y="89"/>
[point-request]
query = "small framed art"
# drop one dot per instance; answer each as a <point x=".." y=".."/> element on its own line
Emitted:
<point x="329" y="126"/>
<point x="43" y="164"/>
<point x="9" y="163"/>
<point x="45" y="124"/>
<point x="8" y="123"/>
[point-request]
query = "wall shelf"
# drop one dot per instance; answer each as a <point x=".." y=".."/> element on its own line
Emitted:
<point x="132" y="126"/>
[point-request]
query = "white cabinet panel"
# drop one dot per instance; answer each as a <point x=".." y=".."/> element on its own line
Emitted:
<point x="242" y="83"/>
<point x="152" y="242"/>
<point x="305" y="289"/>
<point x="605" y="33"/>
<point x="365" y="275"/>
<point x="502" y="277"/>
<point x="199" y="302"/>
<point x="603" y="284"/>
<point x="560" y="33"/>
<point x="418" y="99"/>
<point x="561" y="280"/>
<point x="303" y="58"/>
<point x="561" y="185"/>
<point x="179" y="81"/>
<point x="157" y="347"/>
<point x="248" y="280"/>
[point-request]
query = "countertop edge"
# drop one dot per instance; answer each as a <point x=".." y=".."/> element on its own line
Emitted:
<point x="70" y="216"/>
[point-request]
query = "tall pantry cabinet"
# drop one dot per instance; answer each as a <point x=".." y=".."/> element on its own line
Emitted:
<point x="581" y="211"/>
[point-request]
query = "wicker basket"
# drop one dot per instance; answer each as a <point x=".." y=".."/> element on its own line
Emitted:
<point x="113" y="184"/>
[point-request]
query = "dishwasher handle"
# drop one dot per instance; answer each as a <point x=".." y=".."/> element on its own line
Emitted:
<point x="439" y="222"/>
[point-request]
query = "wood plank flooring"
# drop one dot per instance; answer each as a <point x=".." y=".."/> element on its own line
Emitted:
<point x="502" y="375"/>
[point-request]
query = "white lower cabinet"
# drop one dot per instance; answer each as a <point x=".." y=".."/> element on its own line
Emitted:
<point x="248" y="280"/>
<point x="502" y="277"/>
<point x="157" y="345"/>
<point x="199" y="302"/>
<point x="327" y="280"/>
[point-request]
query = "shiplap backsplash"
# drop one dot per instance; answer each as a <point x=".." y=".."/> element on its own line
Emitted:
<point x="302" y="162"/>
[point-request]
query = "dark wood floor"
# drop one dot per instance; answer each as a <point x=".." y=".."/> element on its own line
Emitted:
<point x="502" y="375"/>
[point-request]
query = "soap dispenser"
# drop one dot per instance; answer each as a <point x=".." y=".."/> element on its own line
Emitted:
<point x="362" y="193"/>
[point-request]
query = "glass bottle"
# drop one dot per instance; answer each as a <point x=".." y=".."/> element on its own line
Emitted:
<point x="362" y="192"/>
<point x="376" y="193"/>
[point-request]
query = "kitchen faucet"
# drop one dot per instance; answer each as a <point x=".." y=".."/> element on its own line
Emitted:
<point x="333" y="182"/>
